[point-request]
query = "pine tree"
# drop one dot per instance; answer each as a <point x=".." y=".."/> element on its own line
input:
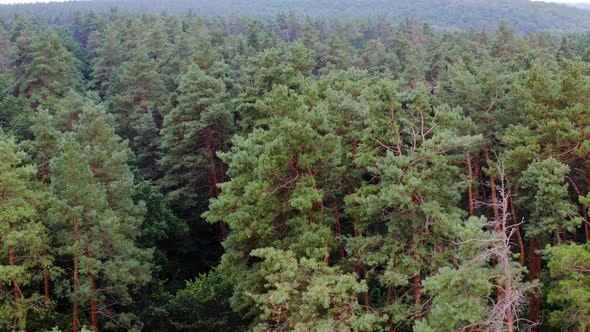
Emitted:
<point x="48" y="69"/>
<point x="5" y="56"/>
<point x="569" y="266"/>
<point x="97" y="221"/>
<point x="199" y="127"/>
<point x="20" y="244"/>
<point x="107" y="57"/>
<point x="309" y="295"/>
<point x="280" y="177"/>
<point x="137" y="99"/>
<point x="407" y="214"/>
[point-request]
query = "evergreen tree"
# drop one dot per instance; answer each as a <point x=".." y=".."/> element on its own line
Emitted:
<point x="47" y="69"/>
<point x="97" y="221"/>
<point x="280" y="176"/>
<point x="569" y="266"/>
<point x="5" y="56"/>
<point x="108" y="56"/>
<point x="21" y="245"/>
<point x="137" y="99"/>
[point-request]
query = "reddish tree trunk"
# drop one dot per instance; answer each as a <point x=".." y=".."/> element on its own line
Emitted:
<point x="93" y="306"/>
<point x="470" y="178"/>
<point x="518" y="233"/>
<point x="418" y="295"/>
<point x="587" y="222"/>
<point x="482" y="187"/>
<point x="338" y="227"/>
<point x="45" y="271"/>
<point x="17" y="292"/>
<point x="212" y="177"/>
<point x="12" y="261"/>
<point x="75" y="327"/>
<point x="535" y="267"/>
<point x="495" y="206"/>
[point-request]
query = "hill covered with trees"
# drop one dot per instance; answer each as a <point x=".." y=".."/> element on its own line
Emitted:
<point x="524" y="15"/>
<point x="226" y="173"/>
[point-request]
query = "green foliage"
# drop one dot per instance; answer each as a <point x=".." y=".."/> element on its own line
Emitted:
<point x="569" y="266"/>
<point x="203" y="305"/>
<point x="546" y="195"/>
<point x="307" y="294"/>
<point x="20" y="245"/>
<point x="199" y="126"/>
<point x="339" y="159"/>
<point x="47" y="70"/>
<point x="527" y="16"/>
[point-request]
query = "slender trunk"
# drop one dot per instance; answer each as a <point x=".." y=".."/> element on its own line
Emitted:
<point x="355" y="147"/>
<point x="12" y="261"/>
<point x="417" y="282"/>
<point x="75" y="327"/>
<point x="493" y="189"/>
<point x="367" y="302"/>
<point x="518" y="233"/>
<point x="338" y="228"/>
<point x="418" y="295"/>
<point x="470" y="179"/>
<point x="586" y="221"/>
<point x="508" y="293"/>
<point x="45" y="269"/>
<point x="212" y="178"/>
<point x="93" y="305"/>
<point x="482" y="187"/>
<point x="534" y="261"/>
<point x="389" y="295"/>
<point x="18" y="295"/>
<point x="44" y="173"/>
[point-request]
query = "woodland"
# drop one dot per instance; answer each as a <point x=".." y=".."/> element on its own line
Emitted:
<point x="226" y="173"/>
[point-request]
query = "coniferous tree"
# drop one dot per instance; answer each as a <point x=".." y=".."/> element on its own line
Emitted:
<point x="20" y="244"/>
<point x="47" y="68"/>
<point x="194" y="132"/>
<point x="5" y="58"/>
<point x="97" y="221"/>
<point x="108" y="56"/>
<point x="279" y="178"/>
<point x="137" y="99"/>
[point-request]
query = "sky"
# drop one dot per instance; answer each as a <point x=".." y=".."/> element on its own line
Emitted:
<point x="30" y="1"/>
<point x="562" y="1"/>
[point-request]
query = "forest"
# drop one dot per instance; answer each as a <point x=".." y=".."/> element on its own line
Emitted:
<point x="226" y="173"/>
<point x="524" y="15"/>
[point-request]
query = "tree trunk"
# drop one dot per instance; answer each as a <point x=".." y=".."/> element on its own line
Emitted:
<point x="470" y="179"/>
<point x="93" y="306"/>
<point x="44" y="173"/>
<point x="518" y="233"/>
<point x="12" y="261"/>
<point x="75" y="327"/>
<point x="212" y="178"/>
<point x="418" y="295"/>
<point x="534" y="263"/>
<point x="17" y="292"/>
<point x="46" y="286"/>
<point x="482" y="187"/>
<point x="493" y="190"/>
<point x="338" y="228"/>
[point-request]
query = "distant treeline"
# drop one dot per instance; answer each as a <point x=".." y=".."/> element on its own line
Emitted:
<point x="524" y="15"/>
